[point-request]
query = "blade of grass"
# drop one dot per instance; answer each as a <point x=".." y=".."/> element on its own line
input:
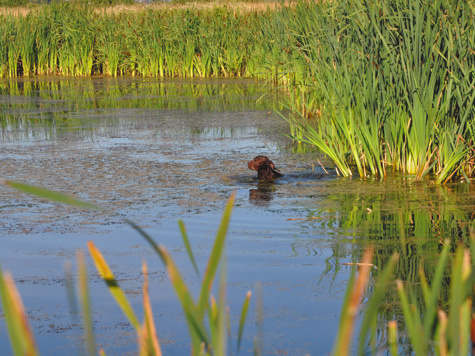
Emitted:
<point x="442" y="336"/>
<point x="413" y="322"/>
<point x="108" y="277"/>
<point x="431" y="294"/>
<point x="21" y="336"/>
<point x="186" y="241"/>
<point x="52" y="195"/>
<point x="242" y="319"/>
<point x="392" y="337"/>
<point x="353" y="297"/>
<point x="85" y="304"/>
<point x="148" y="340"/>
<point x="379" y="291"/>
<point x="215" y="257"/>
<point x="197" y="330"/>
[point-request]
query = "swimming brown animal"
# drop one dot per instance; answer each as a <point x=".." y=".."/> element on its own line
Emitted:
<point x="265" y="168"/>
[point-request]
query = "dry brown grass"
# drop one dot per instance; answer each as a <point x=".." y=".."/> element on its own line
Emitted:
<point x="16" y="11"/>
<point x="244" y="6"/>
<point x="240" y="6"/>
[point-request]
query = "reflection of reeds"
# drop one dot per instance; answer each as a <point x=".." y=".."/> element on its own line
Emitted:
<point x="38" y="107"/>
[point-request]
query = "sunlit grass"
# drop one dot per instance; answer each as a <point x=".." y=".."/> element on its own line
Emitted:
<point x="393" y="81"/>
<point x="391" y="84"/>
<point x="75" y="38"/>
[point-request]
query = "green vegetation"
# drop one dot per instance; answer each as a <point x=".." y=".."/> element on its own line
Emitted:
<point x="378" y="86"/>
<point x="391" y="83"/>
<point x="74" y="39"/>
<point x="416" y="222"/>
<point x="433" y="325"/>
<point x="13" y="3"/>
<point x="102" y="3"/>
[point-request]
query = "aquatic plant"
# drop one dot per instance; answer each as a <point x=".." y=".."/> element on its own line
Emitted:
<point x="389" y="84"/>
<point x="13" y="3"/>
<point x="436" y="328"/>
<point x="77" y="38"/>
<point x="394" y="84"/>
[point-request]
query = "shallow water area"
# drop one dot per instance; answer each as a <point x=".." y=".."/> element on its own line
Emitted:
<point x="157" y="151"/>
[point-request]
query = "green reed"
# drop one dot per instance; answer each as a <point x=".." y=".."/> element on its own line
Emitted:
<point x="393" y="81"/>
<point x="73" y="38"/>
<point x="433" y="326"/>
<point x="391" y="84"/>
<point x="417" y="230"/>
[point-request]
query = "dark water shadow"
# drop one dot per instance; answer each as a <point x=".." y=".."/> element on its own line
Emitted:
<point x="263" y="194"/>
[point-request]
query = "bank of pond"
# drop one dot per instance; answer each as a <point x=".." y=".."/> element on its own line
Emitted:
<point x="378" y="86"/>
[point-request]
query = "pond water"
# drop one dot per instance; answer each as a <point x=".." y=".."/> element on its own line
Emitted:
<point x="157" y="151"/>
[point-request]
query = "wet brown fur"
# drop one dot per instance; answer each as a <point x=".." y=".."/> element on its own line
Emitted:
<point x="265" y="168"/>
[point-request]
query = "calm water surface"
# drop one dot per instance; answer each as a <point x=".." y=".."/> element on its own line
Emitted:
<point x="158" y="151"/>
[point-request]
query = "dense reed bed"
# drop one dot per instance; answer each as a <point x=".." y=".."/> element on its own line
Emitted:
<point x="391" y="83"/>
<point x="72" y="39"/>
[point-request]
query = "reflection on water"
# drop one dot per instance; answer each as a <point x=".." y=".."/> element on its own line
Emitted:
<point x="156" y="151"/>
<point x="263" y="194"/>
<point x="33" y="109"/>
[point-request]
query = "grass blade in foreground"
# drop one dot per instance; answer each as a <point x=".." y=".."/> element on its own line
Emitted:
<point x="186" y="241"/>
<point x="108" y="277"/>
<point x="352" y="301"/>
<point x="242" y="320"/>
<point x="215" y="256"/>
<point x="194" y="312"/>
<point x="85" y="303"/>
<point x="52" y="195"/>
<point x="148" y="340"/>
<point x="21" y="337"/>
<point x="378" y="295"/>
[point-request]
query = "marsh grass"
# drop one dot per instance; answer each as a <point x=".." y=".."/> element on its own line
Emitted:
<point x="390" y="83"/>
<point x="393" y="81"/>
<point x="432" y="328"/>
<point x="76" y="38"/>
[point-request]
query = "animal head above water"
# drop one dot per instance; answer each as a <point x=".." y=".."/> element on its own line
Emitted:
<point x="265" y="168"/>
